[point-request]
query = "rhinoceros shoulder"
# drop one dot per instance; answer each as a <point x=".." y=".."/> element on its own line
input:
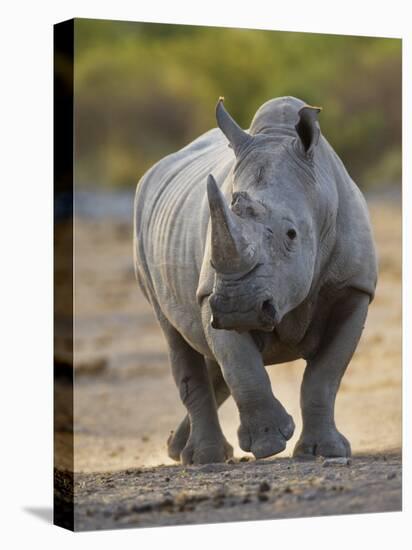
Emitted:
<point x="353" y="260"/>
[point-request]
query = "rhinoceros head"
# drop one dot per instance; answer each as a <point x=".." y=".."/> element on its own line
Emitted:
<point x="264" y="244"/>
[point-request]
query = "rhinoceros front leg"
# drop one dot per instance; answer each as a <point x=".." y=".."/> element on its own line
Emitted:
<point x="206" y="442"/>
<point x="178" y="438"/>
<point x="322" y="377"/>
<point x="265" y="426"/>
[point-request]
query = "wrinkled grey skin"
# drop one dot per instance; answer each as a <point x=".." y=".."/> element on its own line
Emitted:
<point x="251" y="255"/>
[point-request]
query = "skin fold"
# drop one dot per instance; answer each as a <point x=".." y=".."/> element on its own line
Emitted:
<point x="255" y="248"/>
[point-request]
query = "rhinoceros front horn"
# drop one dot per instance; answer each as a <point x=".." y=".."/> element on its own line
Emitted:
<point x="231" y="251"/>
<point x="237" y="137"/>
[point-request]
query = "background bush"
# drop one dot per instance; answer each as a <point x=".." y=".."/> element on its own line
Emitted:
<point x="144" y="90"/>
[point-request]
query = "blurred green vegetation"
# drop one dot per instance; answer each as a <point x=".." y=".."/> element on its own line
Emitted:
<point x="144" y="90"/>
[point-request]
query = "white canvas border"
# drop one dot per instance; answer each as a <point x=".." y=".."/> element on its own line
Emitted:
<point x="27" y="255"/>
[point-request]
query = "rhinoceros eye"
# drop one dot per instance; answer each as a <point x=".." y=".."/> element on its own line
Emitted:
<point x="291" y="233"/>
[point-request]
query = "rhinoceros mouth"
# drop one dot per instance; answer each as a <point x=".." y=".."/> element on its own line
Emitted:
<point x="261" y="316"/>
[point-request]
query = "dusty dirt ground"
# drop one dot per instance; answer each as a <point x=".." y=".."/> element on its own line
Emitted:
<point x="126" y="404"/>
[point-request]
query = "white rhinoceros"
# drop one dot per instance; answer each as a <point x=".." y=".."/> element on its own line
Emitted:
<point x="251" y="255"/>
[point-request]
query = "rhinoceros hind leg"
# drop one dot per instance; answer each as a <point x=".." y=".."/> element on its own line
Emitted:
<point x="178" y="438"/>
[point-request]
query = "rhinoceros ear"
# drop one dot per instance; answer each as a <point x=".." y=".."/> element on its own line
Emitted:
<point x="237" y="137"/>
<point x="308" y="128"/>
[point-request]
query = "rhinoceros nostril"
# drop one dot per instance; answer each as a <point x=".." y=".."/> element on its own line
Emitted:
<point x="268" y="310"/>
<point x="214" y="321"/>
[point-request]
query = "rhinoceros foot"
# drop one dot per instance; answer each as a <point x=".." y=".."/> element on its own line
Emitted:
<point x="266" y="434"/>
<point x="327" y="442"/>
<point x="178" y="440"/>
<point x="206" y="451"/>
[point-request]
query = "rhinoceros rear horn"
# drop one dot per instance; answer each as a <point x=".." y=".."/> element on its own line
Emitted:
<point x="308" y="128"/>
<point x="231" y="252"/>
<point x="237" y="137"/>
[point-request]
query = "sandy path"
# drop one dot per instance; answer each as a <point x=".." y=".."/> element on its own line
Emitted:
<point x="125" y="399"/>
<point x="270" y="489"/>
